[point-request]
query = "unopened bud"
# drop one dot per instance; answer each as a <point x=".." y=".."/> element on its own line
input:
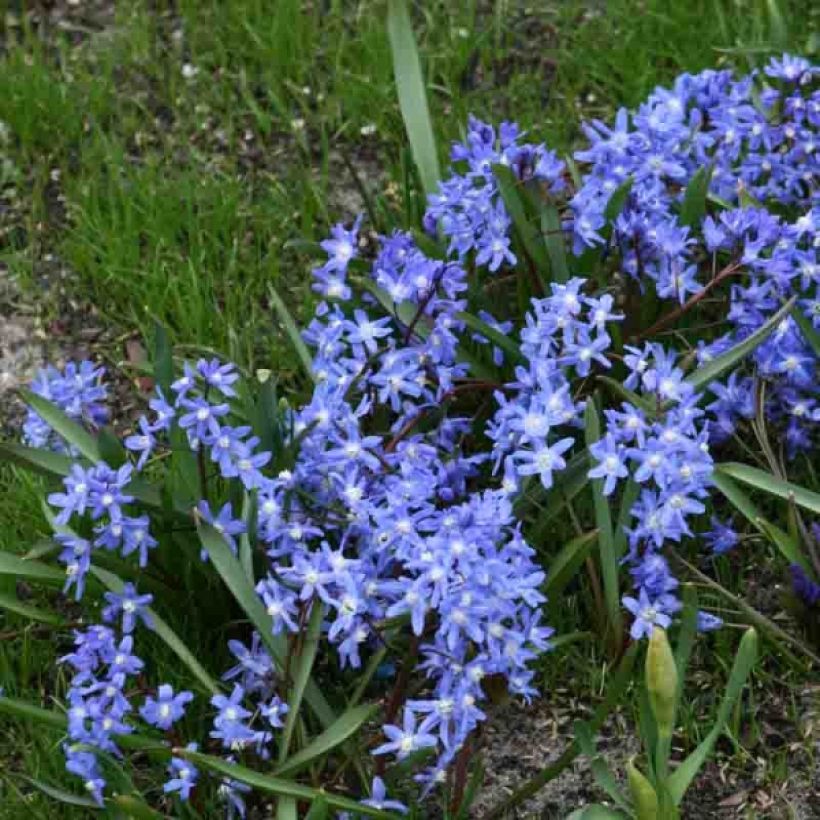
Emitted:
<point x="643" y="793"/>
<point x="661" y="681"/>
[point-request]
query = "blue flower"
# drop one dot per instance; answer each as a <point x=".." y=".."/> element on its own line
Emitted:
<point x="166" y="708"/>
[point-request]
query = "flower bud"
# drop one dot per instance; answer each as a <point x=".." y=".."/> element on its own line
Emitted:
<point x="643" y="793"/>
<point x="661" y="681"/>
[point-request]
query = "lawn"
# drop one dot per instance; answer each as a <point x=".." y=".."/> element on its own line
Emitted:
<point x="175" y="162"/>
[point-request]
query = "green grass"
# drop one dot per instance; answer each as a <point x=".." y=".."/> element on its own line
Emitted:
<point x="178" y="195"/>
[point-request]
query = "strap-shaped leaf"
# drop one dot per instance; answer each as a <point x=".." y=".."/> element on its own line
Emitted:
<point x="344" y="728"/>
<point x="811" y="335"/>
<point x="61" y="795"/>
<point x="302" y="666"/>
<point x="13" y="604"/>
<point x="553" y="236"/>
<point x="134" y="807"/>
<point x="708" y="372"/>
<point x="231" y="572"/>
<point x="164" y="631"/>
<point x="72" y="432"/>
<point x="566" y="563"/>
<point x="39" y="461"/>
<point x="163" y="361"/>
<point x="768" y="483"/>
<point x="412" y="95"/>
<point x="280" y="786"/>
<point x="679" y="780"/>
<point x="292" y="331"/>
<point x="693" y="208"/>
<point x="603" y="521"/>
<point x="31" y="570"/>
<point x="596" y="811"/>
<point x="499" y="339"/>
<point x="527" y="228"/>
<point x="600" y="770"/>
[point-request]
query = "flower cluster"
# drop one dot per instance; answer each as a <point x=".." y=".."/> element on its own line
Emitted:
<point x="78" y="391"/>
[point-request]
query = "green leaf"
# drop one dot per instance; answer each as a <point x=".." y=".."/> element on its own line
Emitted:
<point x="292" y="331"/>
<point x="807" y="329"/>
<point x="693" y="208"/>
<point x="567" y="484"/>
<point x="768" y="483"/>
<point x="617" y="202"/>
<point x="566" y="563"/>
<point x="111" y="448"/>
<point x="712" y="370"/>
<point x="319" y="810"/>
<point x="679" y="780"/>
<point x="603" y="520"/>
<point x="280" y="786"/>
<point x="164" y="632"/>
<point x="163" y="360"/>
<point x="641" y="402"/>
<point x="134" y="807"/>
<point x="596" y="811"/>
<point x="786" y="544"/>
<point x="33" y="613"/>
<point x="32" y="458"/>
<point x="412" y="95"/>
<point x="553" y="236"/>
<point x="500" y="340"/>
<point x="628" y="498"/>
<point x="528" y="231"/>
<point x="600" y="770"/>
<point x="72" y="432"/>
<point x="736" y="496"/>
<point x="31" y="570"/>
<point x="286" y="809"/>
<point x="245" y="546"/>
<point x="345" y="727"/>
<point x="61" y="795"/>
<point x="687" y="634"/>
<point x="302" y="665"/>
<point x="231" y="572"/>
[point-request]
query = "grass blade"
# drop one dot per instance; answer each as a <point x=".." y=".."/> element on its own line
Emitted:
<point x="61" y="795"/>
<point x="710" y="371"/>
<point x="39" y="461"/>
<point x="31" y="570"/>
<point x="412" y="95"/>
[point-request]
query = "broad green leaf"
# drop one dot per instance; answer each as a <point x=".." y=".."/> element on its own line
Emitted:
<point x="134" y="807"/>
<point x="603" y="520"/>
<point x="32" y="458"/>
<point x="286" y="809"/>
<point x="31" y="570"/>
<point x="319" y="810"/>
<point x="768" y="483"/>
<point x="679" y="780"/>
<point x="616" y="203"/>
<point x="412" y="95"/>
<point x="499" y="339"/>
<point x="528" y="231"/>
<point x="687" y="634"/>
<point x="566" y="563"/>
<point x="302" y="666"/>
<point x="231" y="572"/>
<point x="553" y="236"/>
<point x="279" y="786"/>
<point x="33" y="613"/>
<point x="62" y="796"/>
<point x="693" y="208"/>
<point x="709" y="371"/>
<point x="345" y="727"/>
<point x="72" y="432"/>
<point x="163" y="631"/>
<point x="736" y="496"/>
<point x="292" y="331"/>
<point x="111" y="449"/>
<point x="628" y="498"/>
